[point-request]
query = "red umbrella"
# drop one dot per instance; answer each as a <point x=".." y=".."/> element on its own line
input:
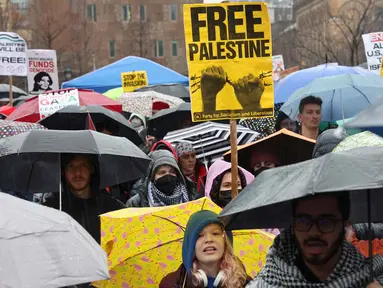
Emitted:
<point x="29" y="110"/>
<point x="7" y="110"/>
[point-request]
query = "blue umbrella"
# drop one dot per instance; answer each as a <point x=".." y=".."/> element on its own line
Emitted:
<point x="288" y="85"/>
<point x="370" y="119"/>
<point x="343" y="96"/>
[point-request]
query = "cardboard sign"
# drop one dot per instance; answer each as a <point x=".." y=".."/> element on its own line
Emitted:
<point x="49" y="103"/>
<point x="229" y="54"/>
<point x="42" y="71"/>
<point x="288" y="71"/>
<point x="278" y="66"/>
<point x="13" y="55"/>
<point x="133" y="80"/>
<point x="373" y="45"/>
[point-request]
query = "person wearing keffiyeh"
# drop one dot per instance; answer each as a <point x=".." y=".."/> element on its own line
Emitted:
<point x="165" y="184"/>
<point x="314" y="252"/>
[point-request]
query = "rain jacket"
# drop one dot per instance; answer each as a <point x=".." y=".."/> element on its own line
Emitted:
<point x="197" y="222"/>
<point x="219" y="167"/>
<point x="200" y="177"/>
<point x="86" y="211"/>
<point x="161" y="157"/>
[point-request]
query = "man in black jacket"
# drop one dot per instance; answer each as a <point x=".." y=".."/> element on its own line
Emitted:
<point x="81" y="197"/>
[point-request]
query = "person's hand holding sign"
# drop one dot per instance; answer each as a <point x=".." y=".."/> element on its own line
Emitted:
<point x="249" y="91"/>
<point x="213" y="79"/>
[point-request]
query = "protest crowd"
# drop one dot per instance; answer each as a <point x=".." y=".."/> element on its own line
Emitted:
<point x="228" y="178"/>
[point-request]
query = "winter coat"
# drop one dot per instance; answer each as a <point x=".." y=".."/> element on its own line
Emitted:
<point x="159" y="158"/>
<point x="86" y="211"/>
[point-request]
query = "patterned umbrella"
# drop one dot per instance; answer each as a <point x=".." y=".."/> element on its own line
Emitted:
<point x="264" y="126"/>
<point x="11" y="128"/>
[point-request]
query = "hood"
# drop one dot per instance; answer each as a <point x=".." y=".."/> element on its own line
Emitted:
<point x="143" y="119"/>
<point x="217" y="169"/>
<point x="164" y="157"/>
<point x="197" y="222"/>
<point x="327" y="141"/>
<point x="167" y="145"/>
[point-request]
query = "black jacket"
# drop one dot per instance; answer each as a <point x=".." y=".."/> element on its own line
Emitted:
<point x="86" y="211"/>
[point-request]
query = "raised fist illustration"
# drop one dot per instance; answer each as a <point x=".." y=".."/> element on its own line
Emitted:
<point x="249" y="91"/>
<point x="213" y="79"/>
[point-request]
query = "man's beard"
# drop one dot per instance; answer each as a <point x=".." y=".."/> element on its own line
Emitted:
<point x="332" y="250"/>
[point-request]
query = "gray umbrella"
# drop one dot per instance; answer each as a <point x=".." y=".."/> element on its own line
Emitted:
<point x="4" y="91"/>
<point x="30" y="162"/>
<point x="267" y="201"/>
<point x="76" y="118"/>
<point x="45" y="248"/>
<point x="176" y="90"/>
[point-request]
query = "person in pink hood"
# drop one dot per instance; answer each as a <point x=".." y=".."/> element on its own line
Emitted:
<point x="218" y="182"/>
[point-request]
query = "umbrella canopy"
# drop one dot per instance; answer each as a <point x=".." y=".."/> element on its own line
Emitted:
<point x="264" y="126"/>
<point x="152" y="247"/>
<point x="43" y="247"/>
<point x="211" y="140"/>
<point x="363" y="139"/>
<point x="177" y="90"/>
<point x="143" y="103"/>
<point x="109" y="77"/>
<point x="76" y="118"/>
<point x="288" y="85"/>
<point x="11" y="128"/>
<point x="288" y="146"/>
<point x="168" y="120"/>
<point x="369" y="119"/>
<point x="6" y="110"/>
<point x="16" y="92"/>
<point x="114" y="93"/>
<point x="32" y="159"/>
<point x="343" y="96"/>
<point x="274" y="190"/>
<point x="29" y="110"/>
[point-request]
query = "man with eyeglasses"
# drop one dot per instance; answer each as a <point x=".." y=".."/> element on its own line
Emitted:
<point x="314" y="252"/>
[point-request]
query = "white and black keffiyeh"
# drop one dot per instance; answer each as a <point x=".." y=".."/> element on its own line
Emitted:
<point x="158" y="199"/>
<point x="280" y="271"/>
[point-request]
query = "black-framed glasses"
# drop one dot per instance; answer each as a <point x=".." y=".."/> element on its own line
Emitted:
<point x="324" y="224"/>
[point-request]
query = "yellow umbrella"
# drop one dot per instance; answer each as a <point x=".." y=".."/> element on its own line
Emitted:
<point x="145" y="244"/>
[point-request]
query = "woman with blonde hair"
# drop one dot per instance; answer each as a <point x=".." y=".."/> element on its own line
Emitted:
<point x="207" y="255"/>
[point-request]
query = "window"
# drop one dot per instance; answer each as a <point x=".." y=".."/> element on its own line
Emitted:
<point x="112" y="48"/>
<point x="126" y="11"/>
<point x="173" y="12"/>
<point x="142" y="12"/>
<point x="91" y="12"/>
<point x="73" y="5"/>
<point x="159" y="52"/>
<point x="174" y="48"/>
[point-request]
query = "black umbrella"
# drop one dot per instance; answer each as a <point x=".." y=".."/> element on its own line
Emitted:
<point x="176" y="90"/>
<point x="273" y="191"/>
<point x="170" y="119"/>
<point x="76" y="118"/>
<point x="30" y="162"/>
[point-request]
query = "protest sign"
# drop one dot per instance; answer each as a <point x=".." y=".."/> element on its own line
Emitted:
<point x="42" y="71"/>
<point x="288" y="71"/>
<point x="278" y="66"/>
<point x="13" y="55"/>
<point x="133" y="80"/>
<point x="49" y="103"/>
<point x="228" y="48"/>
<point x="373" y="46"/>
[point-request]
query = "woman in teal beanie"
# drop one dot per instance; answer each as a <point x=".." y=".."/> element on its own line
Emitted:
<point x="207" y="256"/>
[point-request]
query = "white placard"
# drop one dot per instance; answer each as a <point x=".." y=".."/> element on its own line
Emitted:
<point x="278" y="66"/>
<point x="49" y="103"/>
<point x="373" y="46"/>
<point x="13" y="55"/>
<point x="42" y="71"/>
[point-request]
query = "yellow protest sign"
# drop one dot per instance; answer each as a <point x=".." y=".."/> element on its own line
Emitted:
<point x="229" y="54"/>
<point x="381" y="68"/>
<point x="133" y="80"/>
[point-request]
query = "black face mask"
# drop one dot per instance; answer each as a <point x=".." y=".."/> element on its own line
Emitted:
<point x="260" y="170"/>
<point x="224" y="197"/>
<point x="166" y="184"/>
